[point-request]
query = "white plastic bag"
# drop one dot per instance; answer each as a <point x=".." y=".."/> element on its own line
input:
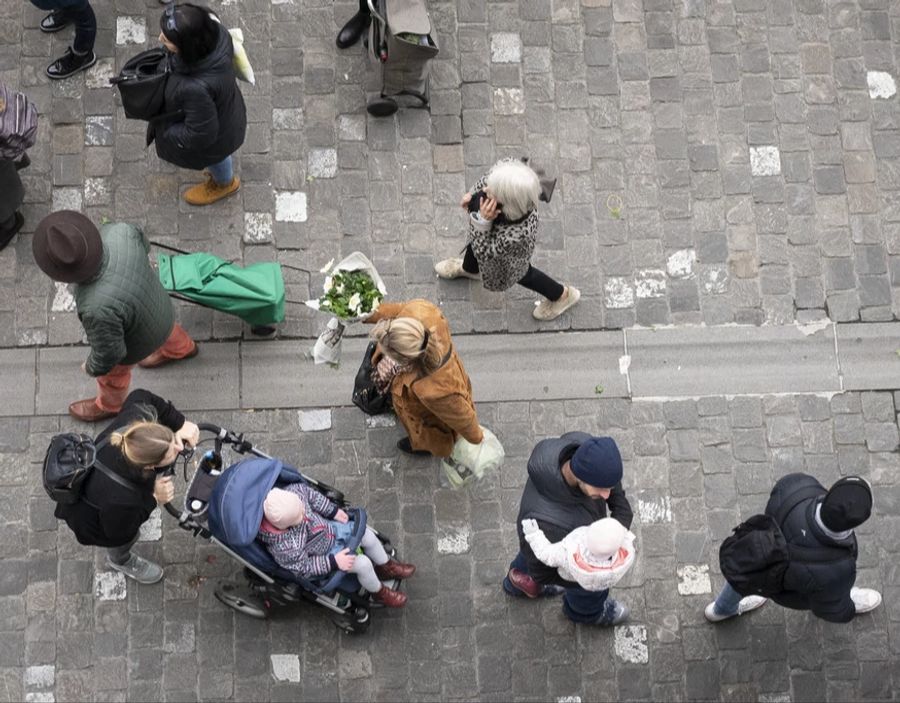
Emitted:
<point x="327" y="349"/>
<point x="242" y="68"/>
<point x="469" y="462"/>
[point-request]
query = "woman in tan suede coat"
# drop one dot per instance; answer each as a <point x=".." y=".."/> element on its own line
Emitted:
<point x="430" y="389"/>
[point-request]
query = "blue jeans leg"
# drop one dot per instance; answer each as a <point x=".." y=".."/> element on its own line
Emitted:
<point x="727" y="601"/>
<point x="593" y="607"/>
<point x="223" y="172"/>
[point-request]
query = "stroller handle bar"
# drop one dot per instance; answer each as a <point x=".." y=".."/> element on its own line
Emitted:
<point x="222" y="437"/>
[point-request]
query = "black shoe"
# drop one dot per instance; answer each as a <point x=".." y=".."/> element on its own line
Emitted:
<point x="55" y="21"/>
<point x="24" y="162"/>
<point x="353" y="30"/>
<point x="70" y="64"/>
<point x="404" y="445"/>
<point x="6" y="235"/>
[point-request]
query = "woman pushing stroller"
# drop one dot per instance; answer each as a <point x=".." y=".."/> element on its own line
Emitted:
<point x="306" y="534"/>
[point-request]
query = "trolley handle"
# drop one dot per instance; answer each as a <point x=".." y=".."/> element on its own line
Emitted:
<point x="223" y="436"/>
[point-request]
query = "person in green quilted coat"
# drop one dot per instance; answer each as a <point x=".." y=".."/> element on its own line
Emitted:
<point x="126" y="313"/>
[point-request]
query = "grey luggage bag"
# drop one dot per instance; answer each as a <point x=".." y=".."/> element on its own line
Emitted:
<point x="401" y="45"/>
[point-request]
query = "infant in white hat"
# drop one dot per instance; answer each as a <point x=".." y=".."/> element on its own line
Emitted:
<point x="595" y="556"/>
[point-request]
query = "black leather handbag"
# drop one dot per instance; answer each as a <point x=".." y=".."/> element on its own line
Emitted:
<point x="365" y="395"/>
<point x="142" y="84"/>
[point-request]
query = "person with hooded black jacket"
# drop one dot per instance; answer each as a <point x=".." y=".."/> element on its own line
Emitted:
<point x="563" y="492"/>
<point x="204" y="119"/>
<point x="818" y="528"/>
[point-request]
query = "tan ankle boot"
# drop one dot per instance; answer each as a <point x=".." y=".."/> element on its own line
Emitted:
<point x="208" y="192"/>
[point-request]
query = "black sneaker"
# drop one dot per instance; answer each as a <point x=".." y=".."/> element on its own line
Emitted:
<point x="70" y="64"/>
<point x="55" y="21"/>
<point x="404" y="445"/>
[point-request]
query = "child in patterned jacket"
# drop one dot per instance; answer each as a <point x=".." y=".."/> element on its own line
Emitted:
<point x="595" y="556"/>
<point x="307" y="534"/>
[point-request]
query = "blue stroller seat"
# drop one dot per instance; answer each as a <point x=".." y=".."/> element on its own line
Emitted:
<point x="236" y="511"/>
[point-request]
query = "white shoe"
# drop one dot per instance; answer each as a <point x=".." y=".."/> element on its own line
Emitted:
<point x="865" y="599"/>
<point x="745" y="606"/>
<point x="453" y="268"/>
<point x="551" y="309"/>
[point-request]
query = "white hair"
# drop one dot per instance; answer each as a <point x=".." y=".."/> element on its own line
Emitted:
<point x="515" y="186"/>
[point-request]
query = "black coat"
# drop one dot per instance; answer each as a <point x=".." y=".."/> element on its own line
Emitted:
<point x="559" y="508"/>
<point x="210" y="120"/>
<point x="122" y="510"/>
<point x="12" y="189"/>
<point x="821" y="579"/>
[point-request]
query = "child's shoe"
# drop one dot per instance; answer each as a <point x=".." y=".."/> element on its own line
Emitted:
<point x="394" y="569"/>
<point x="390" y="597"/>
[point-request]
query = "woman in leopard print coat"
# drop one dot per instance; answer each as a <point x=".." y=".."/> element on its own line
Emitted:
<point x="503" y="223"/>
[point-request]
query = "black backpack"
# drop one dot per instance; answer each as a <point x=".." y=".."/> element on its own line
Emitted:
<point x="70" y="460"/>
<point x="755" y="558"/>
<point x="142" y="84"/>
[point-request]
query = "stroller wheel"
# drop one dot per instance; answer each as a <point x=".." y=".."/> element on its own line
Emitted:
<point x="382" y="107"/>
<point x="231" y="595"/>
<point x="353" y="623"/>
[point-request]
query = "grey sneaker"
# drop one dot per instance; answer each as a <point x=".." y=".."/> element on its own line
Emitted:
<point x="551" y="309"/>
<point x="140" y="569"/>
<point x="620" y="614"/>
<point x="747" y="604"/>
<point x="453" y="268"/>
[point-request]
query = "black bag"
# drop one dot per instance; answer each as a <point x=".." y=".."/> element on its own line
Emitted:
<point x="142" y="84"/>
<point x="365" y="395"/>
<point x="70" y="459"/>
<point x="755" y="558"/>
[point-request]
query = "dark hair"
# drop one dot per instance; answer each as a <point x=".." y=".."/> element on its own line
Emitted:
<point x="195" y="32"/>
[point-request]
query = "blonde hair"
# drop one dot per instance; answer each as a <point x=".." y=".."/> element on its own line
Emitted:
<point x="515" y="186"/>
<point x="406" y="341"/>
<point x="144" y="443"/>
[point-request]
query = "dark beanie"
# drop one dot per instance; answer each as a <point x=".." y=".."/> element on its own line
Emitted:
<point x="847" y="504"/>
<point x="597" y="462"/>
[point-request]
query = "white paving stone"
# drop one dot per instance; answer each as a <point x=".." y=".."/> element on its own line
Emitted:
<point x="98" y="75"/>
<point x="290" y="206"/>
<point x="257" y="227"/>
<point x="714" y="280"/>
<point x="109" y="585"/>
<point x="39" y="697"/>
<point x="151" y="530"/>
<point x="314" y="420"/>
<point x="97" y="191"/>
<point x="655" y="511"/>
<point x="650" y="283"/>
<point x="453" y="539"/>
<point x="98" y="130"/>
<point x="681" y="263"/>
<point x="509" y="101"/>
<point x="352" y="128"/>
<point x="506" y="47"/>
<point x="631" y="644"/>
<point x="619" y="293"/>
<point x="130" y="30"/>
<point x="693" y="579"/>
<point x="765" y="160"/>
<point x="881" y="85"/>
<point x="63" y="300"/>
<point x="286" y="667"/>
<point x="67" y="199"/>
<point x="386" y="420"/>
<point x="322" y="163"/>
<point x="42" y="676"/>
<point x="569" y="699"/>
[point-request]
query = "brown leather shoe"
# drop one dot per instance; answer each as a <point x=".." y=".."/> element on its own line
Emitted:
<point x="209" y="191"/>
<point x="390" y="597"/>
<point x="524" y="583"/>
<point x="156" y="359"/>
<point x="87" y="410"/>
<point x="394" y="569"/>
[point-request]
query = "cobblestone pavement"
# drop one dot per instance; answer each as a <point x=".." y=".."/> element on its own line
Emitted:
<point x="718" y="162"/>
<point x="692" y="470"/>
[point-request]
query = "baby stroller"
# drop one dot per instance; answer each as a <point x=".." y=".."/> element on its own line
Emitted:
<point x="225" y="507"/>
<point x="401" y="44"/>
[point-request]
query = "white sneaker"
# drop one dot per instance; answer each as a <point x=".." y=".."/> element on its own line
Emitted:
<point x="745" y="606"/>
<point x="453" y="268"/>
<point x="551" y="309"/>
<point x="865" y="599"/>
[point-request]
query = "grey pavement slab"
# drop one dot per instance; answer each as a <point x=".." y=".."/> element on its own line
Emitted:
<point x="868" y="355"/>
<point x="697" y="361"/>
<point x="18" y="378"/>
<point x="61" y="380"/>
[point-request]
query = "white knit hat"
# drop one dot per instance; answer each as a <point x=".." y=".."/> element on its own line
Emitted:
<point x="282" y="508"/>
<point x="604" y="537"/>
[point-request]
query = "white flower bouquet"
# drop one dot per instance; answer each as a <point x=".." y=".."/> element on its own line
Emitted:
<point x="353" y="290"/>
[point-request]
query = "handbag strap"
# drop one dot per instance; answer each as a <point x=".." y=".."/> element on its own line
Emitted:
<point x="108" y="472"/>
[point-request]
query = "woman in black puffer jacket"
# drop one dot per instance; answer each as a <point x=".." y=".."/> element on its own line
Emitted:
<point x="208" y="118"/>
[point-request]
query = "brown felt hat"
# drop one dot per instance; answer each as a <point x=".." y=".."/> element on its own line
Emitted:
<point x="67" y="247"/>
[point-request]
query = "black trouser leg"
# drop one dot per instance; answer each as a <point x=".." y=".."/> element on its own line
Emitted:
<point x="470" y="263"/>
<point x="538" y="281"/>
<point x="85" y="27"/>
